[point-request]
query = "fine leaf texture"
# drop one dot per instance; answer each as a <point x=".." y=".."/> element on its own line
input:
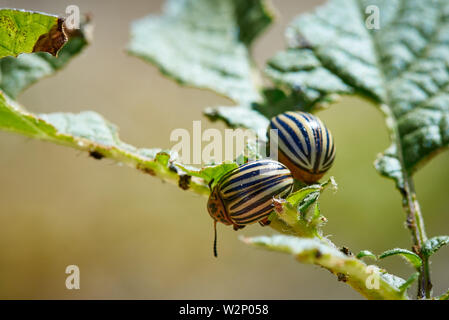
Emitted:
<point x="205" y="44"/>
<point x="348" y="269"/>
<point x="26" y="31"/>
<point x="403" y="66"/>
<point x="434" y="244"/>
<point x="409" y="256"/>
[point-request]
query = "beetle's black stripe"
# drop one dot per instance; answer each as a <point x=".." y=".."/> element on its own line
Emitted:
<point x="276" y="183"/>
<point x="247" y="192"/>
<point x="255" y="203"/>
<point x="235" y="194"/>
<point x="241" y="217"/>
<point x="250" y="171"/>
<point x="305" y="140"/>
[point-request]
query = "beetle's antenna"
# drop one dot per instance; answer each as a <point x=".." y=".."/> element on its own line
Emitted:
<point x="215" y="239"/>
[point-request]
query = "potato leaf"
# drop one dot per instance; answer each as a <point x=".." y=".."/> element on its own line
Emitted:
<point x="402" y="65"/>
<point x="366" y="253"/>
<point x="409" y="256"/>
<point x="16" y="74"/>
<point x="205" y="44"/>
<point x="88" y="131"/>
<point x="434" y="244"/>
<point x="26" y="31"/>
<point x="348" y="269"/>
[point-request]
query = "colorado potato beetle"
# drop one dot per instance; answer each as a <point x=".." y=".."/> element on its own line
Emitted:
<point x="305" y="145"/>
<point x="245" y="194"/>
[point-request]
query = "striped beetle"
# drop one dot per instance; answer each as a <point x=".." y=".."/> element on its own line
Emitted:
<point x="306" y="146"/>
<point x="245" y="194"/>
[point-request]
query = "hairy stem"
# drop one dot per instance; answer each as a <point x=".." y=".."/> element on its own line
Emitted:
<point x="415" y="223"/>
<point x="414" y="217"/>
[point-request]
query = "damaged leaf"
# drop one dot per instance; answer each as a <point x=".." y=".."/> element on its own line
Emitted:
<point x="27" y="31"/>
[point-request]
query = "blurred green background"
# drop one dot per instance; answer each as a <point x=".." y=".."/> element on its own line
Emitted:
<point x="135" y="237"/>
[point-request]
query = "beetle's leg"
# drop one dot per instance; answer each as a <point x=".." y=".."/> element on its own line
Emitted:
<point x="237" y="227"/>
<point x="210" y="184"/>
<point x="264" y="222"/>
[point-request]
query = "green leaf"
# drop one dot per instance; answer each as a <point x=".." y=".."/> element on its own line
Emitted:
<point x="256" y="115"/>
<point x="90" y="132"/>
<point x="434" y="244"/>
<point x="211" y="173"/>
<point x="366" y="253"/>
<point x="240" y="117"/>
<point x="402" y="66"/>
<point x="300" y="71"/>
<point x="16" y="74"/>
<point x="205" y="44"/>
<point x="291" y="214"/>
<point x="444" y="296"/>
<point x="409" y="256"/>
<point x="348" y="269"/>
<point x="392" y="280"/>
<point x="409" y="281"/>
<point x="299" y="196"/>
<point x="26" y="31"/>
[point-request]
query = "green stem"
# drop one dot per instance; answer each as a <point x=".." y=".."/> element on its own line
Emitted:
<point x="414" y="217"/>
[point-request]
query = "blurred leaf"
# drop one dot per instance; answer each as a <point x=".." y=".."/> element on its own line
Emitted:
<point x="26" y="31"/>
<point x="205" y="44"/>
<point x="444" y="296"/>
<point x="348" y="269"/>
<point x="411" y="257"/>
<point x="409" y="281"/>
<point x="276" y="101"/>
<point x="255" y="116"/>
<point x="240" y="117"/>
<point x="392" y="280"/>
<point x="16" y="74"/>
<point x="402" y="66"/>
<point x="434" y="244"/>
<point x="366" y="253"/>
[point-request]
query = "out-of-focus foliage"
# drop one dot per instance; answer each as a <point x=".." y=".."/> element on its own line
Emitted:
<point x="205" y="43"/>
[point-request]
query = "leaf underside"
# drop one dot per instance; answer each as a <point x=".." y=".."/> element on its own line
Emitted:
<point x="348" y="269"/>
<point x="403" y="65"/>
<point x="434" y="244"/>
<point x="196" y="45"/>
<point x="204" y="43"/>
